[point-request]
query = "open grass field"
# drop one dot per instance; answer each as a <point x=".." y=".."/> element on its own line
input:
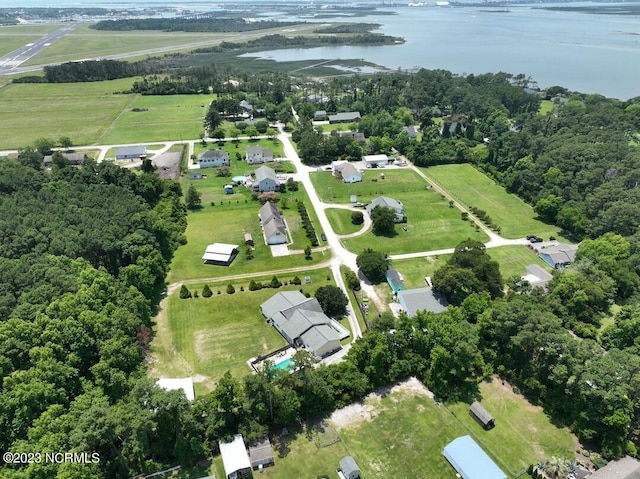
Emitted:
<point x="209" y="336"/>
<point x="472" y="188"/>
<point x="161" y="117"/>
<point x="82" y="112"/>
<point x="226" y="222"/>
<point x="341" y="221"/>
<point x="431" y="225"/>
<point x="401" y="435"/>
<point x="415" y="269"/>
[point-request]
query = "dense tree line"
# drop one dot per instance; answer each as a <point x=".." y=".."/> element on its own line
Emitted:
<point x="83" y="255"/>
<point x="198" y="24"/>
<point x="93" y="70"/>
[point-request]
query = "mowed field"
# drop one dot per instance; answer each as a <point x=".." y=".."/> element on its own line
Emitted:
<point x="431" y="223"/>
<point x="96" y="113"/>
<point x="340" y="220"/>
<point x="209" y="336"/>
<point x="472" y="188"/>
<point x="401" y="434"/>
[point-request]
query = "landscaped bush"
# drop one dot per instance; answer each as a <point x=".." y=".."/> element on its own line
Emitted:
<point x="206" y="291"/>
<point x="184" y="292"/>
<point x="230" y="289"/>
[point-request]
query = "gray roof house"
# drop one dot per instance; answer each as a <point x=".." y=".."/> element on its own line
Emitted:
<point x="480" y="414"/>
<point x="76" y="159"/>
<point x="256" y="154"/>
<point x="349" y="468"/>
<point x="349" y="173"/>
<point x="387" y="202"/>
<point x="414" y="300"/>
<point x="275" y="230"/>
<point x="245" y="105"/>
<point x="320" y="115"/>
<point x="130" y="152"/>
<point x="559" y="256"/>
<point x="213" y="158"/>
<point x="345" y="117"/>
<point x="625" y="468"/>
<point x="411" y="131"/>
<point x="266" y="180"/>
<point x="301" y="322"/>
<point x="537" y="276"/>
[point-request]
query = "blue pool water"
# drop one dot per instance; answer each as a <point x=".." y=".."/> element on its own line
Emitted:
<point x="285" y="365"/>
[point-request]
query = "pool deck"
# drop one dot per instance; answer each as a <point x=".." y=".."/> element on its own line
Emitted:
<point x="276" y="357"/>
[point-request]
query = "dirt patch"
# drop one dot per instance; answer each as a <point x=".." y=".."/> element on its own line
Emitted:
<point x="368" y="409"/>
<point x="168" y="165"/>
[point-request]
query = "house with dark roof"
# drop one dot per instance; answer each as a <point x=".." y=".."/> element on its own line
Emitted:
<point x="348" y="173"/>
<point x="257" y="154"/>
<point x="410" y="130"/>
<point x="301" y="322"/>
<point x="213" y="158"/>
<point x="266" y="180"/>
<point x="624" y="468"/>
<point x="387" y="202"/>
<point x="345" y="117"/>
<point x="394" y="279"/>
<point x="273" y="225"/>
<point x="356" y="135"/>
<point x="481" y="415"/>
<point x="76" y="159"/>
<point x="559" y="256"/>
<point x="421" y="299"/>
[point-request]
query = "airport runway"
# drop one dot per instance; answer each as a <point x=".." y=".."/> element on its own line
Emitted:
<point x="11" y="62"/>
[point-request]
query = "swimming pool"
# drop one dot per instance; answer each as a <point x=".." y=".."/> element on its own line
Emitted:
<point x="286" y="365"/>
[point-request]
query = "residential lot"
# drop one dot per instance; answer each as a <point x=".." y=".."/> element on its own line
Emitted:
<point x="209" y="336"/>
<point x="401" y="434"/>
<point x="472" y="188"/>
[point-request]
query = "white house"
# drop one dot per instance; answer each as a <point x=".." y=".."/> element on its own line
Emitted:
<point x="235" y="458"/>
<point x="349" y="173"/>
<point x="275" y="230"/>
<point x="257" y="154"/>
<point x="266" y="180"/>
<point x="213" y="159"/>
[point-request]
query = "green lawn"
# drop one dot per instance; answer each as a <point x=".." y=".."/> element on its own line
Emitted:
<point x="162" y="117"/>
<point x="341" y="221"/>
<point x="332" y="190"/>
<point x="431" y="225"/>
<point x="81" y="111"/>
<point x="415" y="269"/>
<point x="514" y="259"/>
<point x="545" y="107"/>
<point x="226" y="222"/>
<point x="402" y="436"/>
<point x="472" y="188"/>
<point x="208" y="336"/>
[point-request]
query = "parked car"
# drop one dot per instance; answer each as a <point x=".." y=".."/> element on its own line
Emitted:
<point x="530" y="237"/>
<point x="323" y="237"/>
<point x="536" y="239"/>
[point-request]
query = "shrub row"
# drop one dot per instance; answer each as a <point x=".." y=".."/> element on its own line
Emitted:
<point x="306" y="222"/>
<point x="484" y="217"/>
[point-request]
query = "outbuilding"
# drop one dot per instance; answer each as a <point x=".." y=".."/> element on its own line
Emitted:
<point x="261" y="454"/>
<point x="220" y="253"/>
<point x="394" y="279"/>
<point x="349" y="468"/>
<point x="470" y="461"/>
<point x="480" y="414"/>
<point x="131" y="152"/>
<point x="235" y="459"/>
<point x="375" y="161"/>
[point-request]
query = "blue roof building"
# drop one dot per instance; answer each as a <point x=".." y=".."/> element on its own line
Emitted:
<point x="394" y="280"/>
<point x="470" y="461"/>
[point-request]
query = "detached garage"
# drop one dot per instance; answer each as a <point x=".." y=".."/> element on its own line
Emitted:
<point x="470" y="461"/>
